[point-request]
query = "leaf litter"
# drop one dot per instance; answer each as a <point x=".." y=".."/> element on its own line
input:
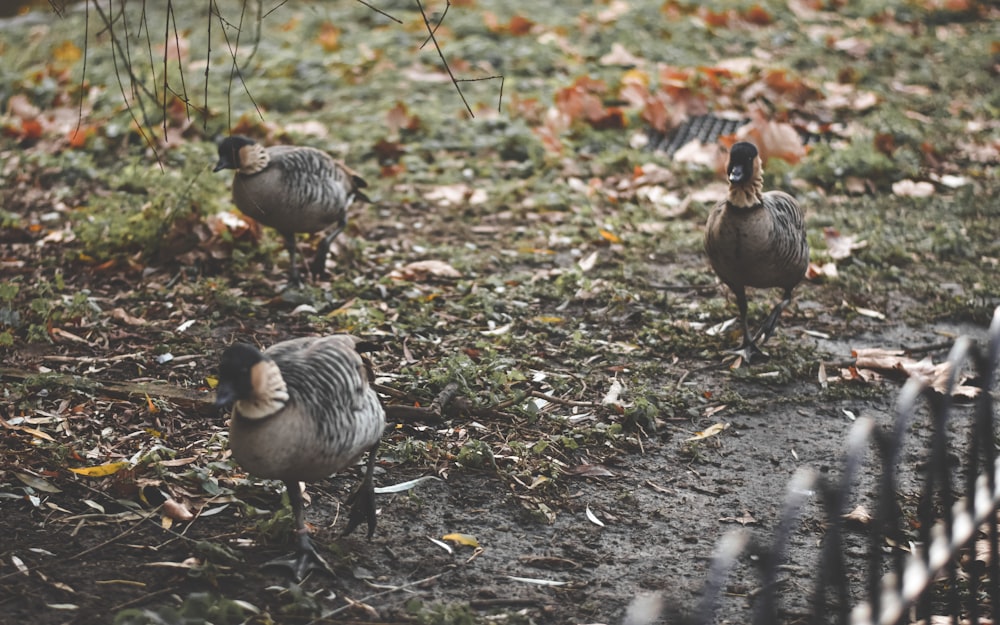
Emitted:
<point x="568" y="224"/>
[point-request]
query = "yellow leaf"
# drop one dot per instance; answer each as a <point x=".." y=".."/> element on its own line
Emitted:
<point x="149" y="403"/>
<point x="154" y="433"/>
<point x="102" y="470"/>
<point x="67" y="51"/>
<point x="549" y="319"/>
<point x="212" y="381"/>
<point x="718" y="428"/>
<point x="610" y="236"/>
<point x="462" y="539"/>
<point x="636" y="76"/>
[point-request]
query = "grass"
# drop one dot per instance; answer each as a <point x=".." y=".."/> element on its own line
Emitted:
<point x="107" y="226"/>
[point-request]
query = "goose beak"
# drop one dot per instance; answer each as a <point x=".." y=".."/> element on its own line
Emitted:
<point x="225" y="394"/>
<point x="736" y="174"/>
<point x="222" y="164"/>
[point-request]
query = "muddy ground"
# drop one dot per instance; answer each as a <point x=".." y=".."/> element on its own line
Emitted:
<point x="567" y="297"/>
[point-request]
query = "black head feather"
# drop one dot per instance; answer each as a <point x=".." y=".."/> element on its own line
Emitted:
<point x="235" y="381"/>
<point x="229" y="152"/>
<point x="741" y="162"/>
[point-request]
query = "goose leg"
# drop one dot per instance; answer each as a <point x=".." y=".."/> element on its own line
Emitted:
<point x="749" y="348"/>
<point x="306" y="559"/>
<point x="771" y="322"/>
<point x="363" y="499"/>
<point x="323" y="250"/>
<point x="293" y="270"/>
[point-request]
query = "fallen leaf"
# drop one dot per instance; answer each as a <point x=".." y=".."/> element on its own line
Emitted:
<point x="121" y="315"/>
<point x="840" y="246"/>
<point x="421" y="270"/>
<point x="718" y="428"/>
<point x="36" y="482"/>
<point x="102" y="470"/>
<point x="462" y="539"/>
<point x="590" y="470"/>
<point x="826" y="270"/>
<point x="593" y="518"/>
<point x="176" y="510"/>
<point x="859" y="515"/>
<point x="909" y="188"/>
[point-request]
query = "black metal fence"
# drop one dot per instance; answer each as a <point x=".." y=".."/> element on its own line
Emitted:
<point x="935" y="555"/>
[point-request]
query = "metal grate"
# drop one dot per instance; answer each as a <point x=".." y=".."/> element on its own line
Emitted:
<point x="707" y="129"/>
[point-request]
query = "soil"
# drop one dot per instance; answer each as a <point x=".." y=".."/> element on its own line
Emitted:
<point x="566" y="508"/>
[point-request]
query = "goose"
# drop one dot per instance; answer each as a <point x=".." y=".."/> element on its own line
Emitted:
<point x="291" y="189"/>
<point x="756" y="239"/>
<point x="303" y="410"/>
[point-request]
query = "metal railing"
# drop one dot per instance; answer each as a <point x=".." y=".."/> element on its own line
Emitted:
<point x="918" y="576"/>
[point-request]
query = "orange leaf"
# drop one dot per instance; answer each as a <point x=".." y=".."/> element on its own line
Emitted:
<point x="610" y="236"/>
<point x="520" y="25"/>
<point x="758" y="15"/>
<point x="31" y="129"/>
<point x="78" y="136"/>
<point x="329" y="37"/>
<point x="716" y="20"/>
<point x="67" y="52"/>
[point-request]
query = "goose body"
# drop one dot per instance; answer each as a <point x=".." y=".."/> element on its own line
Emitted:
<point x="291" y="189"/>
<point x="302" y="410"/>
<point x="756" y="239"/>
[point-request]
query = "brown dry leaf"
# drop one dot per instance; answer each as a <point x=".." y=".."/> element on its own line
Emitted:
<point x="329" y="37"/>
<point x="589" y="470"/>
<point x="821" y="272"/>
<point x="708" y="432"/>
<point x="698" y="153"/>
<point x="934" y="375"/>
<point x="744" y="519"/>
<point x="620" y="56"/>
<point x="456" y="195"/>
<point x="840" y="246"/>
<point x="773" y="139"/>
<point x="853" y="46"/>
<point x="616" y="9"/>
<point x="121" y="315"/>
<point x="421" y="270"/>
<point x="176" y="510"/>
<point x="860" y="515"/>
<point x="877" y="357"/>
<point x="910" y="188"/>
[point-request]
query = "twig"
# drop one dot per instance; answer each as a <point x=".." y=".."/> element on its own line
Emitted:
<point x="447" y="6"/>
<point x="379" y="594"/>
<point x="198" y="401"/>
<point x="444" y="61"/>
<point x="433" y="413"/>
<point x="379" y="11"/>
<point x="443" y="398"/>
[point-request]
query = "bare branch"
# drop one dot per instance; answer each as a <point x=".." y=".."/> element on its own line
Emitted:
<point x="373" y="8"/>
<point x="444" y="61"/>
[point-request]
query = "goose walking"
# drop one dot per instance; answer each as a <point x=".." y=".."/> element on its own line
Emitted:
<point x="303" y="410"/>
<point x="291" y="189"/>
<point x="756" y="239"/>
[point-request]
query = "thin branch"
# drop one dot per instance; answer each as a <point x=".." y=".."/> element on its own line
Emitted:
<point x="444" y="61"/>
<point x="438" y="25"/>
<point x="494" y="77"/>
<point x="86" y="51"/>
<point x="373" y="8"/>
<point x="115" y="52"/>
<point x="278" y="6"/>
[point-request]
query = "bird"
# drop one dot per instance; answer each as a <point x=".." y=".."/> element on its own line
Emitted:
<point x="291" y="189"/>
<point x="756" y="239"/>
<point x="303" y="409"/>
